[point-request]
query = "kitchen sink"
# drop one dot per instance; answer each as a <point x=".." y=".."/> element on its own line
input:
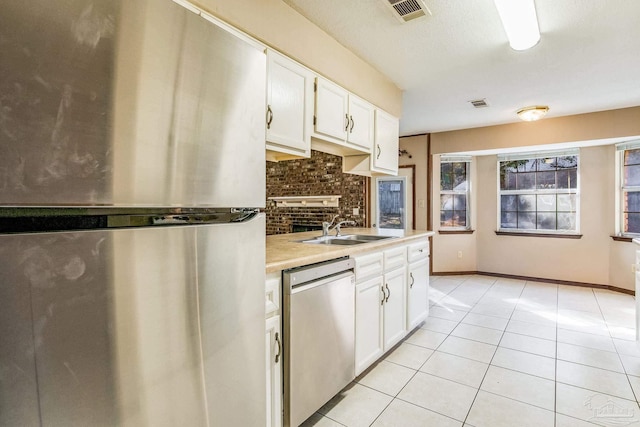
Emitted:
<point x="349" y="239"/>
<point x="364" y="237"/>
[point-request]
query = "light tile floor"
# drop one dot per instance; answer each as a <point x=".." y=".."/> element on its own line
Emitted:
<point x="497" y="352"/>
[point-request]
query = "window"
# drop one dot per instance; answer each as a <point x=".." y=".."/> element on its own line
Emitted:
<point x="454" y="192"/>
<point x="539" y="192"/>
<point x="629" y="162"/>
<point x="391" y="202"/>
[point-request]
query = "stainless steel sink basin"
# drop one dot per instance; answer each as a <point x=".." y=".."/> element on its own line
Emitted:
<point x="349" y="239"/>
<point x="365" y="237"/>
<point x="334" y="241"/>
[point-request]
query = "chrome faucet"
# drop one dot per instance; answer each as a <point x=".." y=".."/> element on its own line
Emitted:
<point x="326" y="226"/>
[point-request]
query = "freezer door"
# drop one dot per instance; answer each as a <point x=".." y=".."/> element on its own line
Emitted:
<point x="159" y="326"/>
<point x="128" y="103"/>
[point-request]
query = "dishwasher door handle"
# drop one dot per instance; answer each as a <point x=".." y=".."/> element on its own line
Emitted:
<point x="319" y="282"/>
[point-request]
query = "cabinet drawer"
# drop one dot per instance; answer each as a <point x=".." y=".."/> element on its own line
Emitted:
<point x="368" y="265"/>
<point x="418" y="251"/>
<point x="395" y="257"/>
<point x="272" y="295"/>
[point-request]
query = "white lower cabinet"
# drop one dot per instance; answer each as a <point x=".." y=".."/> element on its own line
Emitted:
<point x="273" y="353"/>
<point x="369" y="306"/>
<point x="418" y="296"/>
<point x="391" y="298"/>
<point x="394" y="330"/>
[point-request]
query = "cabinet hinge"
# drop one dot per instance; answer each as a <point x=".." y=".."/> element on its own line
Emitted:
<point x="315" y="86"/>
<point x="314" y="120"/>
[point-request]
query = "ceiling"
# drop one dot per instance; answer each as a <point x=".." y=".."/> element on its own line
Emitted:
<point x="588" y="58"/>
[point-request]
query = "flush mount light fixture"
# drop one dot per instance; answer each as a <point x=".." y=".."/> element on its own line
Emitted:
<point x="520" y="22"/>
<point x="533" y="113"/>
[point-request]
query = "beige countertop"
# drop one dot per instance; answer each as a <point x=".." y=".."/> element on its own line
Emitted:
<point x="286" y="251"/>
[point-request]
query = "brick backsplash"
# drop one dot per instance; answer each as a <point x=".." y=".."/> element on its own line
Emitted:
<point x="317" y="176"/>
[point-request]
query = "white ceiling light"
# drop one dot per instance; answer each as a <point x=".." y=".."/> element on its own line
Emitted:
<point x="520" y="22"/>
<point x="533" y="113"/>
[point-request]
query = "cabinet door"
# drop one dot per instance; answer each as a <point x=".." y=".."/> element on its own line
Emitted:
<point x="418" y="289"/>
<point x="369" y="300"/>
<point x="394" y="307"/>
<point x="289" y="106"/>
<point x="332" y="119"/>
<point x="273" y="343"/>
<point x="385" y="150"/>
<point x="360" y="123"/>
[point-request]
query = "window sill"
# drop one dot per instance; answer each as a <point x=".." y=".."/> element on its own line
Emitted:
<point x="456" y="231"/>
<point x="547" y="235"/>
<point x="623" y="238"/>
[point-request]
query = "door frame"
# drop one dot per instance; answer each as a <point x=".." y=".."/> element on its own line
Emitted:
<point x="413" y="193"/>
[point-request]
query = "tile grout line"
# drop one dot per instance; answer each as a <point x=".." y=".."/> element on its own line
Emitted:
<point x="555" y="364"/>
<point x="449" y="335"/>
<point x="491" y="360"/>
<point x="414" y="374"/>
<point x="624" y="368"/>
<point x="378" y="391"/>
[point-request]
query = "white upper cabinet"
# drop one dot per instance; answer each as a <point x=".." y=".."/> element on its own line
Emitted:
<point x="342" y="118"/>
<point x="331" y="115"/>
<point x="384" y="157"/>
<point x="360" y="123"/>
<point x="289" y="108"/>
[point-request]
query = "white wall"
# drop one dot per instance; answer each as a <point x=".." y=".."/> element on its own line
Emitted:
<point x="580" y="260"/>
<point x="417" y="146"/>
<point x="595" y="258"/>
<point x="277" y="25"/>
<point x="447" y="246"/>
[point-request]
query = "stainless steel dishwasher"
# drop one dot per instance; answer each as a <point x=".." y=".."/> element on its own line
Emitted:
<point x="319" y="323"/>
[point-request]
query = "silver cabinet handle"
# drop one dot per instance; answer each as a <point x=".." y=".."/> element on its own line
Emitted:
<point x="352" y="124"/>
<point x="379" y="151"/>
<point x="412" y="280"/>
<point x="269" y="116"/>
<point x="346" y="126"/>
<point x="383" y="295"/>
<point x="279" y="348"/>
<point x="386" y="285"/>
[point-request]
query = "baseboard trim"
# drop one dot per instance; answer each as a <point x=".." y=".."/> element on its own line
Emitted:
<point x="454" y="273"/>
<point x="537" y="279"/>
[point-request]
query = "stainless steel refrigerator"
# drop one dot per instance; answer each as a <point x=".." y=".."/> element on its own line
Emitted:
<point x="131" y="242"/>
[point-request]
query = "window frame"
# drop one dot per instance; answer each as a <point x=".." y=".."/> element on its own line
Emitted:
<point x="538" y="192"/>
<point x="466" y="192"/>
<point x="621" y="188"/>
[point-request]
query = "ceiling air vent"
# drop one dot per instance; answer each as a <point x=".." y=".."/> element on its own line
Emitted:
<point x="479" y="103"/>
<point x="407" y="10"/>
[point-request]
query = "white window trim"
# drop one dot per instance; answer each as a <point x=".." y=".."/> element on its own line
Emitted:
<point x="538" y="155"/>
<point x="457" y="159"/>
<point x="620" y="188"/>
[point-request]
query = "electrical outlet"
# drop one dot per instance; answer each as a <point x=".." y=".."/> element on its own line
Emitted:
<point x="356" y="211"/>
<point x="459" y="254"/>
<point x="421" y="203"/>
